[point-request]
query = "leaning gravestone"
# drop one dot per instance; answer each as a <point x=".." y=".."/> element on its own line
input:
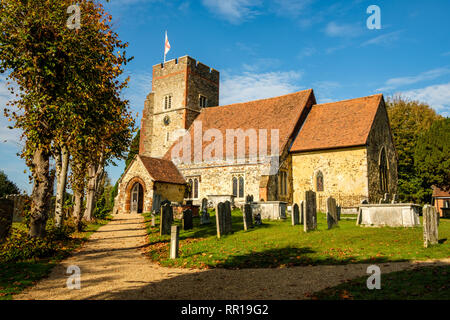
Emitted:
<point x="430" y="225"/>
<point x="187" y="219"/>
<point x="248" y="216"/>
<point x="165" y="219"/>
<point x="310" y="211"/>
<point x="6" y="217"/>
<point x="295" y="215"/>
<point x="332" y="217"/>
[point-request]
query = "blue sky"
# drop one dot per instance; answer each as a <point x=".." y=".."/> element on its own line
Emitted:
<point x="268" y="48"/>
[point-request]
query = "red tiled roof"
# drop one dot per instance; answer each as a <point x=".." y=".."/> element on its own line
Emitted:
<point x="338" y="124"/>
<point x="438" y="192"/>
<point x="162" y="170"/>
<point x="282" y="113"/>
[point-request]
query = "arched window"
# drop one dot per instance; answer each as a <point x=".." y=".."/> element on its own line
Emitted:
<point x="191" y="185"/>
<point x="195" y="188"/>
<point x="241" y="187"/>
<point x="383" y="172"/>
<point x="235" y="187"/>
<point x="319" y="181"/>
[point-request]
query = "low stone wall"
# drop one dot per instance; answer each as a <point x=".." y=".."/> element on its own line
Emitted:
<point x="271" y="210"/>
<point x="389" y="215"/>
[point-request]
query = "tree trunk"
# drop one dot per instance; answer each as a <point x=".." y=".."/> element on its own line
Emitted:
<point x="95" y="176"/>
<point x="90" y="196"/>
<point x="62" y="165"/>
<point x="78" y="208"/>
<point x="41" y="193"/>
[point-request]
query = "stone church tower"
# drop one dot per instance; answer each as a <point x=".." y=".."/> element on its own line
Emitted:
<point x="180" y="89"/>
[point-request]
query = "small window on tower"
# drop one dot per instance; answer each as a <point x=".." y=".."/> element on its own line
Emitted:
<point x="203" y="101"/>
<point x="167" y="102"/>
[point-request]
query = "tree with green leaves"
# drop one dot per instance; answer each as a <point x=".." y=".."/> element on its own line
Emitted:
<point x="432" y="158"/>
<point x="69" y="92"/>
<point x="408" y="119"/>
<point x="7" y="187"/>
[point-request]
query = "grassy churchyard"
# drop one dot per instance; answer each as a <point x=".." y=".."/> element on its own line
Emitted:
<point x="278" y="244"/>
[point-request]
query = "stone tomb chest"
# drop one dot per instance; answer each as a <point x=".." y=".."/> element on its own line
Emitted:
<point x="271" y="210"/>
<point x="389" y="215"/>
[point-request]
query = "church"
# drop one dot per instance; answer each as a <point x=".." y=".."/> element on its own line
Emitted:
<point x="273" y="149"/>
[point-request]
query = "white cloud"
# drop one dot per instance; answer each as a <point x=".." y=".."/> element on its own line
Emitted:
<point x="234" y="11"/>
<point x="252" y="86"/>
<point x="437" y="96"/>
<point x="342" y="30"/>
<point x="383" y="39"/>
<point x="402" y="81"/>
<point x="291" y="8"/>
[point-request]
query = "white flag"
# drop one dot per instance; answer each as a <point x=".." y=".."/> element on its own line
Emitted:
<point x="166" y="47"/>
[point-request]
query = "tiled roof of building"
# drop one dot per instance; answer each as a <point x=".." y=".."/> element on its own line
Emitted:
<point x="282" y="113"/>
<point x="438" y="192"/>
<point x="338" y="124"/>
<point x="162" y="170"/>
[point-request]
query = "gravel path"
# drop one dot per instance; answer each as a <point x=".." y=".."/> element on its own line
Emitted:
<point x="113" y="267"/>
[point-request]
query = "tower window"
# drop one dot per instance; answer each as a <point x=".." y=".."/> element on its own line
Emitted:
<point x="283" y="182"/>
<point x="241" y="187"/>
<point x="167" y="102"/>
<point x="202" y="101"/>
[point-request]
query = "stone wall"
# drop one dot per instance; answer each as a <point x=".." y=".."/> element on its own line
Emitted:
<point x="217" y="179"/>
<point x="344" y="174"/>
<point x="380" y="137"/>
<point x="170" y="191"/>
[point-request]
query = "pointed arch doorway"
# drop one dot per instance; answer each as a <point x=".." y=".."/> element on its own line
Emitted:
<point x="137" y="198"/>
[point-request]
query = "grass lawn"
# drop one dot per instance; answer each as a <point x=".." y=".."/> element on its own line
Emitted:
<point x="279" y="244"/>
<point x="16" y="276"/>
<point x="427" y="283"/>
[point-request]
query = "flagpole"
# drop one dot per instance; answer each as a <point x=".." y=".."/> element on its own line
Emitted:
<point x="165" y="38"/>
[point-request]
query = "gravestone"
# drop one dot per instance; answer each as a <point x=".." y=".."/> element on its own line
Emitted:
<point x="332" y="217"/>
<point x="395" y="198"/>
<point x="166" y="218"/>
<point x="248" y="216"/>
<point x="156" y="204"/>
<point x="385" y="199"/>
<point x="310" y="211"/>
<point x="228" y="221"/>
<point x="204" y="204"/>
<point x="295" y="215"/>
<point x="153" y="219"/>
<point x="302" y="212"/>
<point x="6" y="217"/>
<point x="204" y="216"/>
<point x="174" y="241"/>
<point x="430" y="225"/>
<point x="364" y="202"/>
<point x="339" y="209"/>
<point x="249" y="199"/>
<point x="258" y="220"/>
<point x="223" y="218"/>
<point x="187" y="220"/>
